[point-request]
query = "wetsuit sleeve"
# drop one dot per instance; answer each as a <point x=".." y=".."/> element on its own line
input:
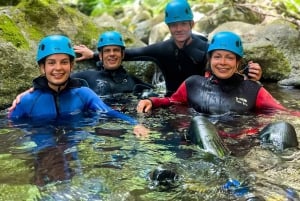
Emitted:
<point x="96" y="104"/>
<point x="265" y="101"/>
<point x="136" y="53"/>
<point x="179" y="97"/>
<point x="18" y="112"/>
<point x="96" y="56"/>
<point x="24" y="108"/>
<point x="116" y="114"/>
<point x="148" y="53"/>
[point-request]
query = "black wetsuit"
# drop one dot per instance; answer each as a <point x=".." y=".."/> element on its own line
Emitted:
<point x="110" y="82"/>
<point x="176" y="64"/>
<point x="214" y="96"/>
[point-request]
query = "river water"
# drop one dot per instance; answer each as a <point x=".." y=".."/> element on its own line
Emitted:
<point x="103" y="160"/>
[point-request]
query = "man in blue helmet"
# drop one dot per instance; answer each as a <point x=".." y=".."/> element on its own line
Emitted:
<point x="112" y="78"/>
<point x="179" y="57"/>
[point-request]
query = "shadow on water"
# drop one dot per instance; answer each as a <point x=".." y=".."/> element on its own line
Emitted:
<point x="105" y="161"/>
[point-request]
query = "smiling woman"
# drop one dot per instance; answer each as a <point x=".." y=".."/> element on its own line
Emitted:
<point x="55" y="58"/>
<point x="225" y="57"/>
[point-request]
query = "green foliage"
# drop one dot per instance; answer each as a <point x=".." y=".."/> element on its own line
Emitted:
<point x="98" y="7"/>
<point x="9" y="2"/>
<point x="114" y="7"/>
<point x="87" y="6"/>
<point x="155" y="6"/>
<point x="289" y="7"/>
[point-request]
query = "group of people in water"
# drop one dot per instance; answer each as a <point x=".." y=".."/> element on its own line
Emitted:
<point x="201" y="74"/>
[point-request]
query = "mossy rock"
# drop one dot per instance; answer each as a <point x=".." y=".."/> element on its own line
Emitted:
<point x="11" y="33"/>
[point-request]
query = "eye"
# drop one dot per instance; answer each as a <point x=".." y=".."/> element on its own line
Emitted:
<point x="50" y="62"/>
<point x="65" y="62"/>
<point x="216" y="56"/>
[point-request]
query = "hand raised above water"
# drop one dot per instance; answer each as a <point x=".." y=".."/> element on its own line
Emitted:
<point x="84" y="51"/>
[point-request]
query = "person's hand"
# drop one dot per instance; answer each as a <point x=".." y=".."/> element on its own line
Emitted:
<point x="84" y="51"/>
<point x="144" y="106"/>
<point x="255" y="71"/>
<point x="18" y="99"/>
<point x="141" y="131"/>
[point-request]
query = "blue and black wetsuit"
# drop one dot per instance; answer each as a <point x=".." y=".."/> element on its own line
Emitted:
<point x="45" y="103"/>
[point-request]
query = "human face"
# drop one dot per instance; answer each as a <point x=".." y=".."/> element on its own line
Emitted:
<point x="111" y="57"/>
<point x="223" y="63"/>
<point x="57" y="69"/>
<point x="181" y="31"/>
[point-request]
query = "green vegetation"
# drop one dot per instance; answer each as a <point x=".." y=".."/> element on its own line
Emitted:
<point x="288" y="7"/>
<point x="114" y="7"/>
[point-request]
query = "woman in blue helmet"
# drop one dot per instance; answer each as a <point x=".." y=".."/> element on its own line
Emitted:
<point x="225" y="91"/>
<point x="56" y="95"/>
<point x="112" y="78"/>
<point x="57" y="103"/>
<point x="179" y="57"/>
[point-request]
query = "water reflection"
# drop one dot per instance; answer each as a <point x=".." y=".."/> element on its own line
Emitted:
<point x="105" y="161"/>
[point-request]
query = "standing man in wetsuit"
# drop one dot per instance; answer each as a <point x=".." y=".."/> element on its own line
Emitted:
<point x="179" y="57"/>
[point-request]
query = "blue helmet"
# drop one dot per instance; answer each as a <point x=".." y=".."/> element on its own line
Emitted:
<point x="227" y="41"/>
<point x="54" y="44"/>
<point x="178" y="11"/>
<point x="110" y="38"/>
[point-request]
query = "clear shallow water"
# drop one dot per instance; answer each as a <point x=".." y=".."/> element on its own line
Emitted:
<point x="105" y="161"/>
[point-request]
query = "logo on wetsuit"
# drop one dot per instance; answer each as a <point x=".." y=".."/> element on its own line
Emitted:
<point x="242" y="101"/>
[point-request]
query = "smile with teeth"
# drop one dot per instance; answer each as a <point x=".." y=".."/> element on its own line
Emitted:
<point x="112" y="59"/>
<point x="58" y="75"/>
<point x="222" y="69"/>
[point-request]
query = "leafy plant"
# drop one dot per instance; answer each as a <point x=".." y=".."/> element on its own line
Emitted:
<point x="114" y="7"/>
<point x="288" y="7"/>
